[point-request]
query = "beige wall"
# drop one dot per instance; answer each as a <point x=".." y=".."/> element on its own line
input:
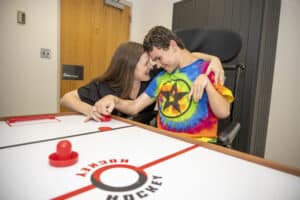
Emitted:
<point x="28" y="84"/>
<point x="283" y="136"/>
<point x="149" y="13"/>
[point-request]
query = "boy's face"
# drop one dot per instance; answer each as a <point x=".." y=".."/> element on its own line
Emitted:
<point x="165" y="58"/>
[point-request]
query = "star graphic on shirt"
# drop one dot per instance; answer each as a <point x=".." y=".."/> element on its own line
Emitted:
<point x="173" y="97"/>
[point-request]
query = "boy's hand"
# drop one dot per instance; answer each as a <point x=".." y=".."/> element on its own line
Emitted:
<point x="105" y="105"/>
<point x="198" y="87"/>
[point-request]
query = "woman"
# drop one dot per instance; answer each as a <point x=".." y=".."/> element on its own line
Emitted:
<point x="127" y="77"/>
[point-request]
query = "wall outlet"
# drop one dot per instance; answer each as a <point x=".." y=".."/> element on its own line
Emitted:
<point x="45" y="53"/>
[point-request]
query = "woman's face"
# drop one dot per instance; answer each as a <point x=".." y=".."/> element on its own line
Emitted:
<point x="142" y="69"/>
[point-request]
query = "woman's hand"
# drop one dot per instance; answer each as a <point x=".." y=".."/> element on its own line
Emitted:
<point x="215" y="66"/>
<point x="93" y="114"/>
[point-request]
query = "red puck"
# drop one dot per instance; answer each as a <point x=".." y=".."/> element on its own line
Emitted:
<point x="105" y="118"/>
<point x="64" y="156"/>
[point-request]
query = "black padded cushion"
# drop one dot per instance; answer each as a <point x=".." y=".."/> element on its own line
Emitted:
<point x="219" y="42"/>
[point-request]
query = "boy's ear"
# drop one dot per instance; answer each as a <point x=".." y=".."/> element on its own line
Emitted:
<point x="173" y="44"/>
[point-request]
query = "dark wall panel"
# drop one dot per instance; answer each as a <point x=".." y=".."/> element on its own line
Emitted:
<point x="200" y="12"/>
<point x="250" y="18"/>
<point x="184" y="18"/>
<point x="265" y="76"/>
<point x="251" y="59"/>
<point x="228" y="7"/>
<point x="216" y="11"/>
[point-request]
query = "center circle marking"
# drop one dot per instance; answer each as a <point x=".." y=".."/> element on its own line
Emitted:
<point x="119" y="177"/>
<point x="134" y="177"/>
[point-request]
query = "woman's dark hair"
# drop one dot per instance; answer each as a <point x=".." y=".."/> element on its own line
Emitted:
<point x="160" y="37"/>
<point x="120" y="72"/>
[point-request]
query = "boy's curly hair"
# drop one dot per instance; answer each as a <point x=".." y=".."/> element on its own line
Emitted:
<point x="160" y="37"/>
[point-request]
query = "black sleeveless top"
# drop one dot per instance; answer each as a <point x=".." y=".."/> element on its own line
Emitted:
<point x="95" y="90"/>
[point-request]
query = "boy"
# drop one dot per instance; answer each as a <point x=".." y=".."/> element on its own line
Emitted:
<point x="173" y="91"/>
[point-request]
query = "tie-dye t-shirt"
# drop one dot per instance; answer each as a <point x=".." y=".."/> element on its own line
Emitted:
<point x="177" y="112"/>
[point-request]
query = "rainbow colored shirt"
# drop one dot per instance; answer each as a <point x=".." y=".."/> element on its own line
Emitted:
<point x="178" y="113"/>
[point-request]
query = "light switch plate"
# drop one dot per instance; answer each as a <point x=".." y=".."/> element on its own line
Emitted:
<point x="21" y="17"/>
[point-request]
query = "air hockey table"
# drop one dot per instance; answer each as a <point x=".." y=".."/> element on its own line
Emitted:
<point x="129" y="161"/>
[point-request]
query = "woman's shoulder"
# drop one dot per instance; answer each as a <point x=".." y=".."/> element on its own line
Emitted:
<point x="95" y="85"/>
<point x="101" y="87"/>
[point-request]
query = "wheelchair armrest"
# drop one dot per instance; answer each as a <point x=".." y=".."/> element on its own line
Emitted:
<point x="226" y="136"/>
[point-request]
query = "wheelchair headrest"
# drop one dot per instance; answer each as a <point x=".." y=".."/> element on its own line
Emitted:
<point x="219" y="42"/>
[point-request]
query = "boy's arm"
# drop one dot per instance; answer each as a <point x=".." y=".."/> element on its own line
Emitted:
<point x="218" y="104"/>
<point x="131" y="107"/>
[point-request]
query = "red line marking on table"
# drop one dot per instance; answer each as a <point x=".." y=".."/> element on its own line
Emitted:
<point x="168" y="157"/>
<point x="75" y="192"/>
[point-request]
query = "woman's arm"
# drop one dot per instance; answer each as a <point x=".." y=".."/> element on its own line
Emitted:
<point x="72" y="101"/>
<point x="215" y="66"/>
